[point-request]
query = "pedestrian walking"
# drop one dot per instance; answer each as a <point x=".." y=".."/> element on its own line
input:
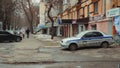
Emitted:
<point x="27" y="32"/>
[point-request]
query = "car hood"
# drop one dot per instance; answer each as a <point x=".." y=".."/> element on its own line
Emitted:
<point x="71" y="38"/>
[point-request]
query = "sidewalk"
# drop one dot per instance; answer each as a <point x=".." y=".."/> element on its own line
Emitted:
<point x="27" y="51"/>
<point x="48" y="42"/>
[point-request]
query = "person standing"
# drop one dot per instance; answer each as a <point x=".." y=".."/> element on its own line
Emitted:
<point x="27" y="32"/>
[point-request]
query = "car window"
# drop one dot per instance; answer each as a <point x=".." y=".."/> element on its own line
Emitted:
<point x="87" y="35"/>
<point x="97" y="34"/>
<point x="93" y="34"/>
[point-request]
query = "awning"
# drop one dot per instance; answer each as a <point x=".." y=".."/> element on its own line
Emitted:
<point x="75" y="21"/>
<point x="42" y="26"/>
<point x="83" y="21"/>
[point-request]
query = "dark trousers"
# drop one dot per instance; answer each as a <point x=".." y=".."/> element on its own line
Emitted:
<point x="27" y="35"/>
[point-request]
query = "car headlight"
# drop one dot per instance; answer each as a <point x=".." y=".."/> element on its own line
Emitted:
<point x="66" y="42"/>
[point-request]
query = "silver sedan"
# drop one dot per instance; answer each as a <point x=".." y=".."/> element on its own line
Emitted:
<point x="87" y="38"/>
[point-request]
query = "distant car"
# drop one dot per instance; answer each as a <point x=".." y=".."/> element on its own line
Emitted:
<point x="7" y="36"/>
<point x="87" y="38"/>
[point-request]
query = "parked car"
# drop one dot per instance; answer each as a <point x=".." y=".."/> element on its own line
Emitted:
<point x="7" y="36"/>
<point x="88" y="38"/>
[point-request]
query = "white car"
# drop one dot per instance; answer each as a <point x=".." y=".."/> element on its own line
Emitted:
<point x="88" y="38"/>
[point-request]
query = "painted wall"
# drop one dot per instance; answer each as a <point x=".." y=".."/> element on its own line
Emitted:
<point x="102" y="26"/>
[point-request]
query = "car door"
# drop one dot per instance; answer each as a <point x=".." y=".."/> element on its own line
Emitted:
<point x="92" y="38"/>
<point x="87" y="39"/>
<point x="9" y="36"/>
<point x="3" y="36"/>
<point x="97" y="38"/>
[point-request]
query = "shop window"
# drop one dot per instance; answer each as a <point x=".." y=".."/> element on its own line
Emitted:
<point x="81" y="28"/>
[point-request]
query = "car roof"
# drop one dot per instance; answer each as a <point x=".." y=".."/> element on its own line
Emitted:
<point x="84" y="32"/>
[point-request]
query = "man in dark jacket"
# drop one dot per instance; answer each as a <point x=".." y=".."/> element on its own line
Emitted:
<point x="27" y="33"/>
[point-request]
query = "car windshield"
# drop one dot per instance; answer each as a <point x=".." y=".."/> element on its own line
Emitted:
<point x="10" y="32"/>
<point x="80" y="34"/>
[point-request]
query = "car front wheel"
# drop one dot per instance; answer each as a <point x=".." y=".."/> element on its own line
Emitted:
<point x="73" y="47"/>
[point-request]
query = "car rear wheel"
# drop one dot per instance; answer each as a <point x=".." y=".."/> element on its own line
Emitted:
<point x="105" y="45"/>
<point x="18" y="39"/>
<point x="73" y="47"/>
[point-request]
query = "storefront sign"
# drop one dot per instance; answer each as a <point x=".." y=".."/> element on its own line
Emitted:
<point x="117" y="24"/>
<point x="96" y="18"/>
<point x="113" y="12"/>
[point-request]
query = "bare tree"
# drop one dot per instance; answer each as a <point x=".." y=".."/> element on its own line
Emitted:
<point x="7" y="9"/>
<point x="55" y="5"/>
<point x="29" y="11"/>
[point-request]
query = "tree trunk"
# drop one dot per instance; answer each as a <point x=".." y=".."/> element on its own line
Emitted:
<point x="51" y="19"/>
<point x="31" y="27"/>
<point x="28" y="15"/>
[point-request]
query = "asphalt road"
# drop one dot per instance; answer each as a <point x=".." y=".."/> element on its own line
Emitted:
<point x="65" y="65"/>
<point x="64" y="59"/>
<point x="5" y="48"/>
<point x="61" y="55"/>
<point x="6" y="45"/>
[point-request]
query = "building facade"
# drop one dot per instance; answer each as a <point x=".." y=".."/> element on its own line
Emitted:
<point x="81" y="15"/>
<point x="88" y="15"/>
